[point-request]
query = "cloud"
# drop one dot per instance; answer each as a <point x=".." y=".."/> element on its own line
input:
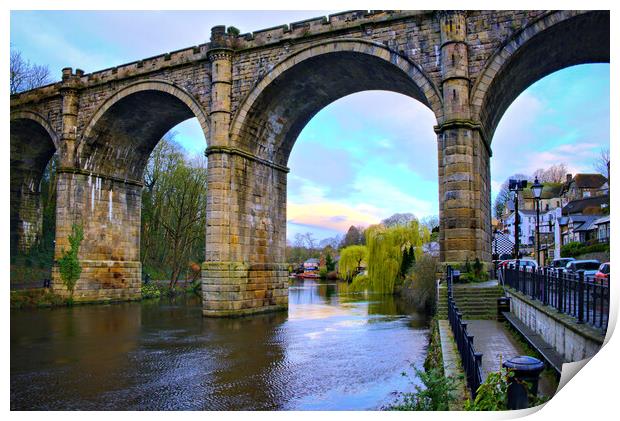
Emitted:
<point x="322" y="215"/>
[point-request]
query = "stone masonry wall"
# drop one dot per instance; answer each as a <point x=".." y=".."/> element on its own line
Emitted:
<point x="455" y="53"/>
<point x="245" y="270"/>
<point x="573" y="341"/>
<point x="109" y="212"/>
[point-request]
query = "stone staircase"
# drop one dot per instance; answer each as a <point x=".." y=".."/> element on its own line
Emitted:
<point x="475" y="302"/>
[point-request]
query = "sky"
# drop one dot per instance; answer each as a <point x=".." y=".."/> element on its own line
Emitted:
<point x="365" y="156"/>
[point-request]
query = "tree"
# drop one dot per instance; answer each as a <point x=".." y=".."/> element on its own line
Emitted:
<point x="602" y="162"/>
<point x="173" y="211"/>
<point x="354" y="236"/>
<point x="309" y="240"/>
<point x="430" y="222"/>
<point x="333" y="242"/>
<point x="554" y="174"/>
<point x="504" y="195"/>
<point x="25" y="75"/>
<point x="399" y="219"/>
<point x="351" y="258"/>
<point x="386" y="248"/>
<point x="330" y="265"/>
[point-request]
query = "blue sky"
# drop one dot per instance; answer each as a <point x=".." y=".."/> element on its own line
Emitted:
<point x="377" y="150"/>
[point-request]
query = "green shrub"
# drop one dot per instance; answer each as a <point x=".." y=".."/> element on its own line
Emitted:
<point x="473" y="273"/>
<point x="323" y="273"/>
<point x="195" y="287"/>
<point x="436" y="394"/>
<point x="150" y="291"/>
<point x="423" y="281"/>
<point x="68" y="264"/>
<point x="233" y="31"/>
<point x="492" y="395"/>
<point x="575" y="249"/>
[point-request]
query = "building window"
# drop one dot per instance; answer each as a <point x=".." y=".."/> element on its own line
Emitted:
<point x="586" y="194"/>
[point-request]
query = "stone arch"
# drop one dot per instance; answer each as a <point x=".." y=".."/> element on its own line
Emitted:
<point x="123" y="131"/>
<point x="37" y="118"/>
<point x="554" y="41"/>
<point x="33" y="142"/>
<point x="273" y="114"/>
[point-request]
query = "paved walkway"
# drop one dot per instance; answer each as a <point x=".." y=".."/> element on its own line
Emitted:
<point x="496" y="344"/>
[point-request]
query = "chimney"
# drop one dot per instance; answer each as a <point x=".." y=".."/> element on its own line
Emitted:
<point x="569" y="178"/>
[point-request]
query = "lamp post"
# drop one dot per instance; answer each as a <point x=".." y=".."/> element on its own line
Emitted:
<point x="549" y="238"/>
<point x="536" y="192"/>
<point x="516" y="186"/>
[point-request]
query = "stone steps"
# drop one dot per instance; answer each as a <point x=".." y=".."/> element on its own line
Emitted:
<point x="472" y="302"/>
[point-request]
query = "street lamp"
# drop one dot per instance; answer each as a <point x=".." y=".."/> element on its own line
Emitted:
<point x="516" y="186"/>
<point x="549" y="239"/>
<point x="536" y="192"/>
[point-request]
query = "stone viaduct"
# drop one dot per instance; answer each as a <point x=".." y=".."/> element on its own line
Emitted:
<point x="252" y="94"/>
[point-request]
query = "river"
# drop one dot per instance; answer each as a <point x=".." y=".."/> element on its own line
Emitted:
<point x="331" y="351"/>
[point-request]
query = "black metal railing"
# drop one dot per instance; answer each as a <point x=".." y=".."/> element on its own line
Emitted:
<point x="472" y="360"/>
<point x="585" y="299"/>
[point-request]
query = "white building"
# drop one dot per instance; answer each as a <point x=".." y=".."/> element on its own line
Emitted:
<point x="549" y="234"/>
<point x="527" y="226"/>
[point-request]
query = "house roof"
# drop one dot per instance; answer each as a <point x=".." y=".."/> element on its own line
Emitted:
<point x="587" y="222"/>
<point x="603" y="220"/>
<point x="312" y="260"/>
<point x="589" y="205"/>
<point x="589" y="181"/>
<point x="524" y="212"/>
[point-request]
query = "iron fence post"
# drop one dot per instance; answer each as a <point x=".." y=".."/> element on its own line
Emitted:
<point x="546" y="286"/>
<point x="477" y="372"/>
<point x="580" y="297"/>
<point x="560" y="292"/>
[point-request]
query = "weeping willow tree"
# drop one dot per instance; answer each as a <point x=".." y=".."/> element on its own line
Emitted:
<point x="350" y="259"/>
<point x="386" y="247"/>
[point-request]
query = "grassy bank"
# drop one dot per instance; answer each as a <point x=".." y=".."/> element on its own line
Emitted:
<point x="37" y="298"/>
<point x="45" y="298"/>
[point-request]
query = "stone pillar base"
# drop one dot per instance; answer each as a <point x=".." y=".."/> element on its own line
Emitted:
<point x="103" y="280"/>
<point x="231" y="289"/>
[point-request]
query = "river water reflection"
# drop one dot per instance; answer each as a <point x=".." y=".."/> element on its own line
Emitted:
<point x="331" y="351"/>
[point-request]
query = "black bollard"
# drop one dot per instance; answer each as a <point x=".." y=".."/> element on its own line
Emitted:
<point x="526" y="372"/>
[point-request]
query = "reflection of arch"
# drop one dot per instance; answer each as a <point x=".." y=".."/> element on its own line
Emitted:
<point x="273" y="114"/>
<point x="126" y="127"/>
<point x="555" y="41"/>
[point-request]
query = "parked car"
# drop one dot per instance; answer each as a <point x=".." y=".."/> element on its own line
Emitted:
<point x="526" y="264"/>
<point x="558" y="266"/>
<point x="502" y="264"/>
<point x="603" y="273"/>
<point x="588" y="267"/>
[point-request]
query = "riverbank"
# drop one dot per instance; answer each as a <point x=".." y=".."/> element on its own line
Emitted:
<point x="45" y="298"/>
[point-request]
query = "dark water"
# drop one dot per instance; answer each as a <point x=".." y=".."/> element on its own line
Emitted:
<point x="331" y="351"/>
